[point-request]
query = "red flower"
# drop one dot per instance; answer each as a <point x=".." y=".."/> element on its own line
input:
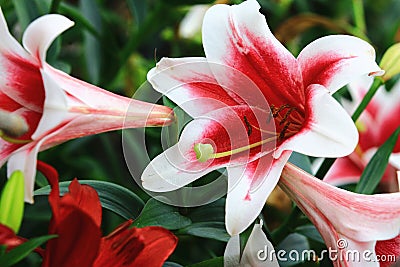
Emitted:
<point x="76" y="221"/>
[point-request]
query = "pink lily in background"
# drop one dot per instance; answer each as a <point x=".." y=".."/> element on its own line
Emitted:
<point x="378" y="121"/>
<point x="56" y="106"/>
<point x="253" y="103"/>
<point x="369" y="224"/>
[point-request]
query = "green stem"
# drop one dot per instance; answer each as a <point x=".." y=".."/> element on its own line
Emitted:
<point x="359" y="18"/>
<point x="54" y="6"/>
<point x="367" y="98"/>
<point x="327" y="163"/>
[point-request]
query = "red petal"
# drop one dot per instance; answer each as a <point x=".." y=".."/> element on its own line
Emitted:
<point x="11" y="240"/>
<point x="7" y="103"/>
<point x="76" y="220"/>
<point x="52" y="177"/>
<point x="77" y="243"/>
<point x="149" y="246"/>
<point x="388" y="125"/>
<point x="86" y="199"/>
<point x="344" y="171"/>
<point x="24" y="82"/>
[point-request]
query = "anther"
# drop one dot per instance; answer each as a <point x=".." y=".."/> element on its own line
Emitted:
<point x="248" y="125"/>
<point x="283" y="132"/>
<point x="286" y="116"/>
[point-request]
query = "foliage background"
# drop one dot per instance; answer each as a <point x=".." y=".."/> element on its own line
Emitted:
<point x="114" y="43"/>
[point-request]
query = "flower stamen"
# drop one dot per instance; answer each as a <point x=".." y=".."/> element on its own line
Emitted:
<point x="205" y="152"/>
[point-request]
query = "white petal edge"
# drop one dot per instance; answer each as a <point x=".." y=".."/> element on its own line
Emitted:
<point x="330" y="132"/>
<point x="360" y="58"/>
<point x="39" y="35"/>
<point x="171" y="77"/>
<point x="258" y="246"/>
<point x="167" y="172"/>
<point x="55" y="107"/>
<point x="8" y="42"/>
<point x="25" y="159"/>
<point x="232" y="252"/>
<point x="240" y="213"/>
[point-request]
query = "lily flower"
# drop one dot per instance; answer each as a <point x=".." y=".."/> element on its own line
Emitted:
<point x="256" y="253"/>
<point x="253" y="103"/>
<point x="56" y="106"/>
<point x="375" y="125"/>
<point x="76" y="222"/>
<point x="360" y="230"/>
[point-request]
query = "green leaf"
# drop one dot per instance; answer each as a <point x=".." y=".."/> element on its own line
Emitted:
<point x="215" y="262"/>
<point x="19" y="253"/>
<point x="138" y="10"/>
<point x="2" y="250"/>
<point x="213" y="212"/>
<point x="12" y="201"/>
<point x="113" y="197"/>
<point x="26" y="11"/>
<point x="159" y="214"/>
<point x="301" y="161"/>
<point x="376" y="167"/>
<point x="311" y="232"/>
<point x="211" y="230"/>
<point x="92" y="46"/>
<point x="293" y="242"/>
<point x="76" y="15"/>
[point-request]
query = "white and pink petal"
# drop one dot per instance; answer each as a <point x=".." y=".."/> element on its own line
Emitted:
<point x="334" y="61"/>
<point x="223" y="131"/>
<point x="248" y="189"/>
<point x="247" y="45"/>
<point x="39" y="35"/>
<point x="369" y="217"/>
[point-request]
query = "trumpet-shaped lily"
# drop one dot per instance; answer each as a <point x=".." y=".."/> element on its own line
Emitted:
<point x="56" y="106"/>
<point x="253" y="103"/>
<point x="362" y="230"/>
<point x="76" y="221"/>
<point x="375" y="125"/>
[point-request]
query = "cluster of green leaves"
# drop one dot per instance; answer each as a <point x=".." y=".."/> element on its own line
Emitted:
<point x="113" y="44"/>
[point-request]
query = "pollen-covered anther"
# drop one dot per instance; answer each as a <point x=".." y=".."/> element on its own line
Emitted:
<point x="287" y="116"/>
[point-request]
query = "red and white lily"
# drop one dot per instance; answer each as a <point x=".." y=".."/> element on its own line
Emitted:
<point x="253" y="103"/>
<point x="348" y="222"/>
<point x="378" y="121"/>
<point x="56" y="106"/>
